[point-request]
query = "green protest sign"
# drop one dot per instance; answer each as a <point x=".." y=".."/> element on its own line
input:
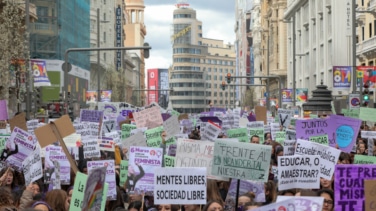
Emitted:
<point x="169" y="161"/>
<point x="123" y="172"/>
<point x="126" y="130"/>
<point x="175" y="113"/>
<point x="322" y="139"/>
<point x="280" y="136"/>
<point x="239" y="133"/>
<point x="153" y="136"/>
<point x="241" y="160"/>
<point x="104" y="196"/>
<point x="364" y="159"/>
<point x="367" y="114"/>
<point x="78" y="191"/>
<point x="354" y="113"/>
<point x="259" y="132"/>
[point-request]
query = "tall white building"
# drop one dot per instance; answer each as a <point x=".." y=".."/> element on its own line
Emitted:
<point x="323" y="40"/>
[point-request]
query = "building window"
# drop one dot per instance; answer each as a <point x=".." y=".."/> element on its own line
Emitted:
<point x="199" y="35"/>
<point x="199" y="27"/>
<point x="42" y="13"/>
<point x="199" y="43"/>
<point x="370" y="30"/>
<point x="104" y="37"/>
<point x="362" y="33"/>
<point x="104" y="56"/>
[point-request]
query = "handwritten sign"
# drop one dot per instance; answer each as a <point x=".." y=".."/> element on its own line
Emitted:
<point x="328" y="156"/>
<point x="285" y="117"/>
<point x="123" y="172"/>
<point x="241" y="160"/>
<point x="280" y="136"/>
<point x="289" y="147"/>
<point x="169" y="161"/>
<point x="301" y="171"/>
<point x="322" y="139"/>
<point x="364" y="159"/>
<point x="367" y="114"/>
<point x="211" y="131"/>
<point x="370" y="194"/>
<point x="290" y="134"/>
<point x="32" y="167"/>
<point x="91" y="149"/>
<point x="354" y="113"/>
<point x="171" y="126"/>
<point x="346" y="131"/>
<point x="78" y="191"/>
<point x="349" y="186"/>
<point x="258" y="132"/>
<point x="154" y="136"/>
<point x="240" y="133"/>
<point x="148" y="116"/>
<point x="126" y="130"/>
<point x="180" y="186"/>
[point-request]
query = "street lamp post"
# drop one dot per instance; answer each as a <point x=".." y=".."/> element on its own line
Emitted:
<point x="98" y="56"/>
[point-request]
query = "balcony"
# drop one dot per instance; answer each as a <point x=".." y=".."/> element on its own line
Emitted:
<point x="367" y="47"/>
<point x="32" y="10"/>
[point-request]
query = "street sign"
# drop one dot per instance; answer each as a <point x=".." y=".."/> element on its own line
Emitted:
<point x="359" y="74"/>
<point x="265" y="94"/>
<point x="354" y="101"/>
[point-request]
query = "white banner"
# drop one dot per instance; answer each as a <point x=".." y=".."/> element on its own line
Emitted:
<point x="180" y="186"/>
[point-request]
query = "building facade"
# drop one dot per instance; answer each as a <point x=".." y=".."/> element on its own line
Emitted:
<point x="322" y="40"/>
<point x="135" y="31"/>
<point x="199" y="65"/>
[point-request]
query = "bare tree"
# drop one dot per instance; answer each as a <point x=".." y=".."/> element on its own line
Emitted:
<point x="14" y="53"/>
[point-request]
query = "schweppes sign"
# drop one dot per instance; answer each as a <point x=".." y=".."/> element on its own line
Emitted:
<point x="181" y="33"/>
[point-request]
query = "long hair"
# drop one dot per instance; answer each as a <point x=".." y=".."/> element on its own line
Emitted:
<point x="112" y="205"/>
<point x="56" y="199"/>
<point x="212" y="191"/>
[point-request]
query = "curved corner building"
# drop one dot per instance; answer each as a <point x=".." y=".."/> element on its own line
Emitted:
<point x="199" y="65"/>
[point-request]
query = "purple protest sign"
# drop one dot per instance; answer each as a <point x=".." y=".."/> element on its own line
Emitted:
<point x="3" y="110"/>
<point x="90" y="115"/>
<point x="165" y="116"/>
<point x="211" y="118"/>
<point x="251" y="118"/>
<point x="346" y="131"/>
<point x="315" y="127"/>
<point x="213" y="109"/>
<point x="349" y="185"/>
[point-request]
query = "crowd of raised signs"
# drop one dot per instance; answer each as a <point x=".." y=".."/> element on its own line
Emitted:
<point x="154" y="159"/>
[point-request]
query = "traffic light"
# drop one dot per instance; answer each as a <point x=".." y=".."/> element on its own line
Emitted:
<point x="223" y="85"/>
<point x="228" y="78"/>
<point x="146" y="51"/>
<point x="366" y="94"/>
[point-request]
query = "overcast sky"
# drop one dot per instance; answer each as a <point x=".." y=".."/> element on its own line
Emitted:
<point x="217" y="16"/>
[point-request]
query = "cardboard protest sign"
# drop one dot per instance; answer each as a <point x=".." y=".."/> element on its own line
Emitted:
<point x="91" y="149"/>
<point x="18" y="147"/>
<point x="171" y="126"/>
<point x="349" y="186"/>
<point x="240" y="133"/>
<point x="93" y="195"/>
<point x="211" y="132"/>
<point x="3" y="125"/>
<point x="109" y="165"/>
<point x="364" y="159"/>
<point x="280" y="136"/>
<point x="289" y="147"/>
<point x="148" y="116"/>
<point x="315" y="127"/>
<point x="180" y="186"/>
<point x="123" y="172"/>
<point x="108" y="126"/>
<point x="301" y="171"/>
<point x="3" y="110"/>
<point x="169" y="161"/>
<point x="328" y="156"/>
<point x="257" y="132"/>
<point x="78" y="191"/>
<point x="126" y="130"/>
<point x="154" y="136"/>
<point x="73" y="140"/>
<point x="18" y="121"/>
<point x="142" y="164"/>
<point x="32" y="167"/>
<point x="90" y="115"/>
<point x="55" y="153"/>
<point x="321" y="139"/>
<point x="370" y="193"/>
<point x="285" y="116"/>
<point x="260" y="113"/>
<point x="195" y="153"/>
<point x="241" y="160"/>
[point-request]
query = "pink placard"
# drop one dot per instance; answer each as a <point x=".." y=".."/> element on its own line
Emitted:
<point x="3" y="110"/>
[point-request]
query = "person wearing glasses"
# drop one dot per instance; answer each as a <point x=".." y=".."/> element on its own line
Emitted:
<point x="328" y="196"/>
